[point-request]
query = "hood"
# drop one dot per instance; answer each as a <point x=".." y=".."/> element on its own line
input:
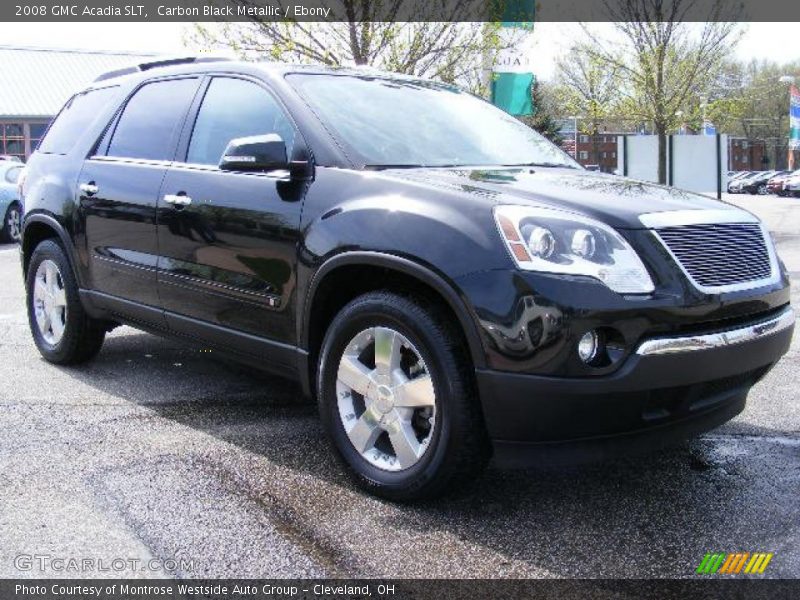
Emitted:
<point x="617" y="201"/>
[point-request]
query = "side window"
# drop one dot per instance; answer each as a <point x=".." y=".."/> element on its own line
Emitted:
<point x="74" y="119"/>
<point x="234" y="108"/>
<point x="151" y="120"/>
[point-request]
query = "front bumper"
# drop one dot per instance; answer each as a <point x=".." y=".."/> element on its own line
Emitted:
<point x="671" y="388"/>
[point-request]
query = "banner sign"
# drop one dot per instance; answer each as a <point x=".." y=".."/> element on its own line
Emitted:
<point x="794" y="119"/>
<point x="512" y="74"/>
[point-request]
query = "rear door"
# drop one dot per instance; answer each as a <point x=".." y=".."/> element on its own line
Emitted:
<point x="118" y="190"/>
<point x="228" y="249"/>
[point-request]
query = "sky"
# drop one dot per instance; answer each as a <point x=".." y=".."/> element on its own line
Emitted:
<point x="774" y="41"/>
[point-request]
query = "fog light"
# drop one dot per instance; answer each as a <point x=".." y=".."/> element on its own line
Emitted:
<point x="588" y="346"/>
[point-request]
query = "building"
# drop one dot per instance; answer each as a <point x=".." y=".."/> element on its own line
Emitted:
<point x="35" y="83"/>
<point x="747" y="155"/>
<point x="598" y="151"/>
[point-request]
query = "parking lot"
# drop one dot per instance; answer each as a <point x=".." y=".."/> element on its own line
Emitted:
<point x="158" y="450"/>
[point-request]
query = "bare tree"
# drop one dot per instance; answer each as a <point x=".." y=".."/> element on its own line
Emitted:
<point x="663" y="59"/>
<point x="446" y="50"/>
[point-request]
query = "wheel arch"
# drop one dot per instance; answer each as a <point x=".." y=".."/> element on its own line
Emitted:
<point x="316" y="314"/>
<point x="39" y="227"/>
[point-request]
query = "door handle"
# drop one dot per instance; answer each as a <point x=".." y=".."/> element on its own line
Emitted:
<point x="90" y="189"/>
<point x="177" y="199"/>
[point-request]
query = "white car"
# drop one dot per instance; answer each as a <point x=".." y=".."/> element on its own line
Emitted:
<point x="792" y="184"/>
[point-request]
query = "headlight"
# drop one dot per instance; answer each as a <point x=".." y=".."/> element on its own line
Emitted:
<point x="552" y="241"/>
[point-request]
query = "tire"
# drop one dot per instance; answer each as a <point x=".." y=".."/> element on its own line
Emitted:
<point x="77" y="338"/>
<point x="762" y="190"/>
<point x="453" y="445"/>
<point x="11" y="224"/>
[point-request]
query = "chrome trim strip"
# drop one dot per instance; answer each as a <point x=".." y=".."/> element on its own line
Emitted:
<point x="676" y="218"/>
<point x="660" y="346"/>
<point x="130" y="161"/>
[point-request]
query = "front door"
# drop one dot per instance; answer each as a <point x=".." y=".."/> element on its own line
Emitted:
<point x="119" y="185"/>
<point x="228" y="240"/>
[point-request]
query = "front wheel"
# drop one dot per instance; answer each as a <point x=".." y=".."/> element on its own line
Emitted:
<point x="397" y="398"/>
<point x="762" y="190"/>
<point x="61" y="329"/>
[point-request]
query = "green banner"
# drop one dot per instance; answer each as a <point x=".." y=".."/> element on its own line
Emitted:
<point x="512" y="92"/>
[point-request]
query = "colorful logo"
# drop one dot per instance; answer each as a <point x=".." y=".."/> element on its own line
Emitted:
<point x="734" y="564"/>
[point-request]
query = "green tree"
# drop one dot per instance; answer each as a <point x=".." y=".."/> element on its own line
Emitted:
<point x="445" y="50"/>
<point x="542" y="119"/>
<point x="754" y="103"/>
<point x="663" y="60"/>
<point x="587" y="87"/>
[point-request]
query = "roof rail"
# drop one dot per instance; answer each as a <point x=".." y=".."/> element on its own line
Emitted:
<point x="155" y="64"/>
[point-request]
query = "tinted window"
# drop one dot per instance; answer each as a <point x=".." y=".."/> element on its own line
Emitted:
<point x="150" y="122"/>
<point x="234" y="108"/>
<point x="73" y="120"/>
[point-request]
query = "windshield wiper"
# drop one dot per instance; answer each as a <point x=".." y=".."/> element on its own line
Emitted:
<point x="547" y="165"/>
<point x="398" y="166"/>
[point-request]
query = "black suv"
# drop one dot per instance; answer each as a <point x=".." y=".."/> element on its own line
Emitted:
<point x="448" y="284"/>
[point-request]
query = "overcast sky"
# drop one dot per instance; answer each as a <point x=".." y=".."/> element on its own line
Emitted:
<point x="775" y="41"/>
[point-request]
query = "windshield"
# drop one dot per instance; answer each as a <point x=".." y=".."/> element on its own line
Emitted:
<point x="409" y="123"/>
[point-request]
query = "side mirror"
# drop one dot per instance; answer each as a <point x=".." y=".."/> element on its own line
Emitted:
<point x="256" y="153"/>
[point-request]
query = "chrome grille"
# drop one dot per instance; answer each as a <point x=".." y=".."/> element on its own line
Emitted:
<point x="720" y="255"/>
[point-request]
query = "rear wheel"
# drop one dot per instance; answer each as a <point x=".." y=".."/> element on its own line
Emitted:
<point x="397" y="398"/>
<point x="11" y="224"/>
<point x="61" y="329"/>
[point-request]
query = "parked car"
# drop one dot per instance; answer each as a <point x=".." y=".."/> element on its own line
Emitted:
<point x="754" y="184"/>
<point x="448" y="284"/>
<point x="775" y="184"/>
<point x="791" y="185"/>
<point x="9" y="201"/>
<point x="733" y="184"/>
<point x="758" y="183"/>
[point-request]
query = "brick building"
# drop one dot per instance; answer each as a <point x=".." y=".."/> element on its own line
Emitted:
<point x="747" y="155"/>
<point x="599" y="150"/>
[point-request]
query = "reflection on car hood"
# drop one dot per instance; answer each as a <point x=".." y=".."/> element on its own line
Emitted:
<point x="616" y="200"/>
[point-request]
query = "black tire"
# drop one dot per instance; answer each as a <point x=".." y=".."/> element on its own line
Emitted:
<point x="459" y="448"/>
<point x="11" y="224"/>
<point x="83" y="336"/>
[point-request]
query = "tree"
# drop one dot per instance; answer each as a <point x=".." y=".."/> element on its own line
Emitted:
<point x="445" y="50"/>
<point x="663" y="60"/>
<point x="588" y="87"/>
<point x="755" y="104"/>
<point x="542" y="118"/>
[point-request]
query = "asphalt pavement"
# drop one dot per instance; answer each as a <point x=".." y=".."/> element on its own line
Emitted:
<point x="158" y="451"/>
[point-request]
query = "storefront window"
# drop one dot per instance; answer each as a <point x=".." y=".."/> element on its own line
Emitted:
<point x="20" y="139"/>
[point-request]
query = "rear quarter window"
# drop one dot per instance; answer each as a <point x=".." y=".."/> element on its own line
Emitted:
<point x="74" y="119"/>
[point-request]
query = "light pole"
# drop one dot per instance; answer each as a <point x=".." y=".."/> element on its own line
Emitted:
<point x="575" y="125"/>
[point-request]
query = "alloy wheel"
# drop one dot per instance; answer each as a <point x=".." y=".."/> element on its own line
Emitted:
<point x="13" y="223"/>
<point x="386" y="399"/>
<point x="50" y="302"/>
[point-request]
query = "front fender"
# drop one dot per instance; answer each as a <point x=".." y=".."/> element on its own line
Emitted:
<point x="425" y="274"/>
